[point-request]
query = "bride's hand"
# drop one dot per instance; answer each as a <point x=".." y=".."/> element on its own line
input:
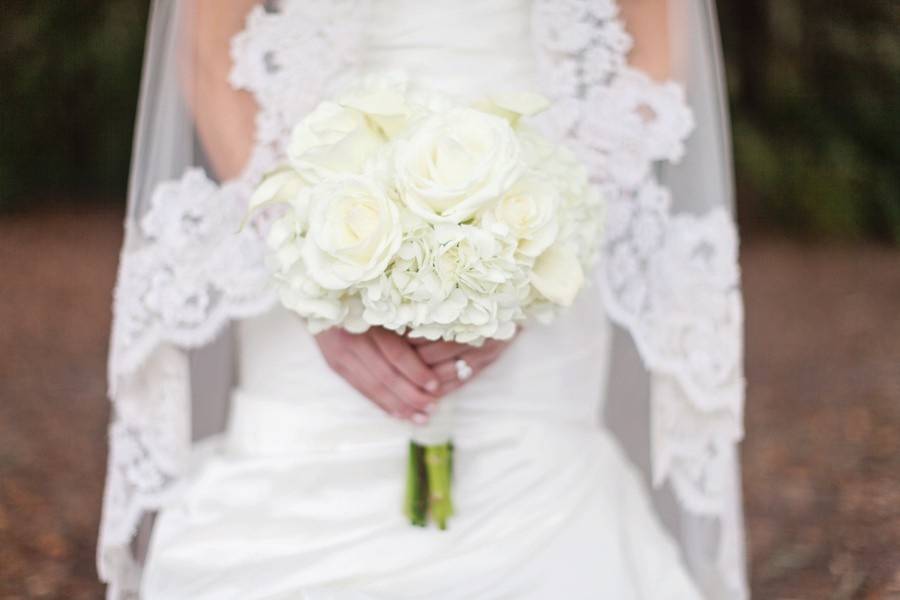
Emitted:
<point x="385" y="368"/>
<point x="443" y="356"/>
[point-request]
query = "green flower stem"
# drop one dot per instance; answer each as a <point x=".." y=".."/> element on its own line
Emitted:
<point x="450" y="462"/>
<point x="437" y="463"/>
<point x="429" y="474"/>
<point x="416" y="502"/>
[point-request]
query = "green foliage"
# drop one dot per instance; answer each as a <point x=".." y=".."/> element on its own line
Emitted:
<point x="815" y="90"/>
<point x="69" y="75"/>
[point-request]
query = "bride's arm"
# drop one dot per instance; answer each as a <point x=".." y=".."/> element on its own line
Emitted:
<point x="224" y="116"/>
<point x="647" y="21"/>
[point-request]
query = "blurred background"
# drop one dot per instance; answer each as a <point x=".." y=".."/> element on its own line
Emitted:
<point x="815" y="99"/>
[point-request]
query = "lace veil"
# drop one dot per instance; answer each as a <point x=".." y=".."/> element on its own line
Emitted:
<point x="660" y="152"/>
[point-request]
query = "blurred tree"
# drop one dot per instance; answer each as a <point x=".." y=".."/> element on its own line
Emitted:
<point x="815" y="89"/>
<point x="69" y="75"/>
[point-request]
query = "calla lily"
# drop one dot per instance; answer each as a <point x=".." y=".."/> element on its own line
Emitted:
<point x="557" y="275"/>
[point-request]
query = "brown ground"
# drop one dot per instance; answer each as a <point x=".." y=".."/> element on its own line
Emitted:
<point x="822" y="457"/>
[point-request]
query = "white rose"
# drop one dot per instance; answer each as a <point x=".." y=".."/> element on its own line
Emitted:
<point x="354" y="231"/>
<point x="333" y="139"/>
<point x="454" y="163"/>
<point x="527" y="212"/>
<point x="557" y="275"/>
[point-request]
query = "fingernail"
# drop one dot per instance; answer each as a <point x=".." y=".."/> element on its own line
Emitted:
<point x="420" y="419"/>
<point x="432" y="386"/>
<point x="431" y="408"/>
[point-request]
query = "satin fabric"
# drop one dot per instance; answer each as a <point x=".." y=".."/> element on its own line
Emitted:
<point x="301" y="497"/>
<point x="459" y="47"/>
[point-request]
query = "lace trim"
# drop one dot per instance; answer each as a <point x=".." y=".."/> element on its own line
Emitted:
<point x="148" y="448"/>
<point x="193" y="271"/>
<point x="672" y="281"/>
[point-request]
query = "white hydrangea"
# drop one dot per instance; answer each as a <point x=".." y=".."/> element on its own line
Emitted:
<point x="298" y="292"/>
<point x="450" y="281"/>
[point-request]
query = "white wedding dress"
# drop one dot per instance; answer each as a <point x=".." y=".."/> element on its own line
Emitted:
<point x="301" y="497"/>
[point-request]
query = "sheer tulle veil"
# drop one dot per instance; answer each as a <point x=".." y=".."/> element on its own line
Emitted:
<point x="670" y="276"/>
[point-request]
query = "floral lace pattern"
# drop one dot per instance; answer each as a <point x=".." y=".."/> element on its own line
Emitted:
<point x="148" y="448"/>
<point x="670" y="279"/>
<point x="191" y="273"/>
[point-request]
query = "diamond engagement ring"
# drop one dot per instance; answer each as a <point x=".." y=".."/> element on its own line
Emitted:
<point x="463" y="370"/>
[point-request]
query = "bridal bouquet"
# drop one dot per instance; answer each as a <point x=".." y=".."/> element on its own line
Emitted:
<point x="410" y="210"/>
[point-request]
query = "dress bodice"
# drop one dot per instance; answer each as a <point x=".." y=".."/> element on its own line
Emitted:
<point x="436" y="43"/>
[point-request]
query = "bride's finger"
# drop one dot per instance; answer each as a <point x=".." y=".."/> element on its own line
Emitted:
<point x="476" y="358"/>
<point x="357" y="374"/>
<point x="435" y="353"/>
<point x="404" y="358"/>
<point x="395" y="382"/>
<point x="440" y="355"/>
<point x="447" y="372"/>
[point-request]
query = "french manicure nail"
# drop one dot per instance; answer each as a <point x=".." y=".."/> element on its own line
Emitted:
<point x="432" y="386"/>
<point x="420" y="419"/>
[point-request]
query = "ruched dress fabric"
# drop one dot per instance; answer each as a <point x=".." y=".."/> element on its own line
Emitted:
<point x="301" y="497"/>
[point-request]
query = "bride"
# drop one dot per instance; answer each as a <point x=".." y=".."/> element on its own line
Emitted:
<point x="251" y="460"/>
